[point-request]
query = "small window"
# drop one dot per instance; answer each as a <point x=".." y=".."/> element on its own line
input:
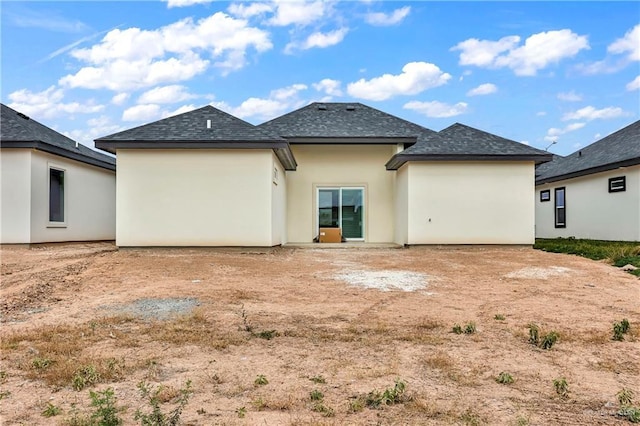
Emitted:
<point x="560" y="208"/>
<point x="545" y="195"/>
<point x="618" y="184"/>
<point x="56" y="195"/>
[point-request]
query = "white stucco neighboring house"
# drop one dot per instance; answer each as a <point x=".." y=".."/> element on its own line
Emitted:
<point x="207" y="178"/>
<point x="52" y="188"/>
<point x="593" y="193"/>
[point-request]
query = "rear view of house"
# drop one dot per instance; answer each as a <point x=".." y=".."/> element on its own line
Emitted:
<point x="593" y="193"/>
<point x="53" y="189"/>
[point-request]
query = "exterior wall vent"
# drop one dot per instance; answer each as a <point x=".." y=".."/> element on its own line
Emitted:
<point x="322" y="107"/>
<point x="351" y="108"/>
<point x="208" y="124"/>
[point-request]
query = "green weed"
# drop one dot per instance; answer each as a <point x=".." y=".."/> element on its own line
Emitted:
<point x="261" y="380"/>
<point x="106" y="412"/>
<point x="549" y="340"/>
<point x="499" y="317"/>
<point x="504" y="378"/>
<point x="51" y="410"/>
<point x="316" y="395"/>
<point x="156" y="417"/>
<point x="561" y="386"/>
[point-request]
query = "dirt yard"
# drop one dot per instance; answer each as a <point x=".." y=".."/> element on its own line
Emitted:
<point x="342" y="325"/>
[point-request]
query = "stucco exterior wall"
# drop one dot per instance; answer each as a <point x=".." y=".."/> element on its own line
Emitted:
<point x="401" y="205"/>
<point x="470" y="202"/>
<point x="278" y="186"/>
<point x="592" y="212"/>
<point x="90" y="197"/>
<point x="341" y="165"/>
<point x="194" y="198"/>
<point x="15" y="187"/>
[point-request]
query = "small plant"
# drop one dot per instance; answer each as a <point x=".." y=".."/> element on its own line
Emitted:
<point x="318" y="380"/>
<point x="457" y="329"/>
<point x="630" y="413"/>
<point x="156" y="417"/>
<point x="390" y="396"/>
<point x="316" y="395"/>
<point x="51" y="410"/>
<point x="470" y="327"/>
<point x="267" y="334"/>
<point x="85" y="376"/>
<point x="323" y="409"/>
<point x="261" y="380"/>
<point x="356" y="405"/>
<point x="534" y="334"/>
<point x="41" y="363"/>
<point x="106" y="413"/>
<point x="625" y="397"/>
<point x="562" y="387"/>
<point x="4" y="394"/>
<point x="549" y="340"/>
<point x="245" y="320"/>
<point x="620" y="329"/>
<point x="504" y="378"/>
<point x="241" y="412"/>
<point x="499" y="317"/>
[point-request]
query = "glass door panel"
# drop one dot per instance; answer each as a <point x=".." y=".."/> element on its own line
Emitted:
<point x="328" y="208"/>
<point x="351" y="202"/>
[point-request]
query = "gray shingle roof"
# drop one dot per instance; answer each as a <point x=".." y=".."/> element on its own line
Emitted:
<point x="341" y="120"/>
<point x="619" y="149"/>
<point x="203" y="128"/>
<point x="19" y="131"/>
<point x="460" y="142"/>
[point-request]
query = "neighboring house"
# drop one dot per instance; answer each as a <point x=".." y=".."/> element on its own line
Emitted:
<point x="208" y="178"/>
<point x="52" y="188"/>
<point x="593" y="193"/>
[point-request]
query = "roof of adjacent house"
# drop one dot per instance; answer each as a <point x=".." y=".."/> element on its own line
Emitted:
<point x="460" y="142"/>
<point x="338" y="122"/>
<point x="619" y="149"/>
<point x="20" y="131"/>
<point x="205" y="128"/>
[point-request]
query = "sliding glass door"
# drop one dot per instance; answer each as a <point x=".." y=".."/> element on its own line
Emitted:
<point x="342" y="208"/>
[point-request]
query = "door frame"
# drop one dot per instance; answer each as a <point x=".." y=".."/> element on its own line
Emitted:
<point x="318" y="188"/>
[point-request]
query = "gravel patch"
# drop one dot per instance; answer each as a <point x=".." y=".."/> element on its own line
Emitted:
<point x="534" y="273"/>
<point x="156" y="309"/>
<point x="385" y="280"/>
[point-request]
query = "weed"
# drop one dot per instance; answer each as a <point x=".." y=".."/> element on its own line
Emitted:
<point x="245" y="320"/>
<point x="630" y="413"/>
<point x="562" y="387"/>
<point x="356" y="405"/>
<point x="625" y="397"/>
<point x="499" y="317"/>
<point x="267" y="334"/>
<point x="470" y="418"/>
<point x="4" y="394"/>
<point x="156" y="417"/>
<point x="241" y="412"/>
<point x="41" y="363"/>
<point x="51" y="410"/>
<point x="106" y="412"/>
<point x="316" y="395"/>
<point x="457" y="329"/>
<point x="549" y="340"/>
<point x="326" y="411"/>
<point x="504" y="378"/>
<point x="85" y="376"/>
<point x="470" y="327"/>
<point x="620" y="329"/>
<point x="318" y="379"/>
<point x="390" y="396"/>
<point x="201" y="411"/>
<point x="534" y="334"/>
<point x="522" y="421"/>
<point x="261" y="380"/>
<point x="259" y="403"/>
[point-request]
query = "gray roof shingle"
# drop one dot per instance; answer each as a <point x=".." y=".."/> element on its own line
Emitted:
<point x="320" y="120"/>
<point x="19" y="131"/>
<point x="619" y="149"/>
<point x="460" y="142"/>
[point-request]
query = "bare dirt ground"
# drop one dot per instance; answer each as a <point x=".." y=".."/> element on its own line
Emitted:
<point x="355" y="319"/>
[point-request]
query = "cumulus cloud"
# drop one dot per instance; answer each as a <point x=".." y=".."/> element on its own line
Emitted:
<point x="96" y="127"/>
<point x="590" y="113"/>
<point x="278" y="102"/>
<point x="483" y="89"/>
<point x="120" y="98"/>
<point x="183" y="3"/>
<point x="165" y="95"/>
<point x="318" y="39"/>
<point x="416" y="77"/>
<point x="634" y="84"/>
<point x="329" y="87"/>
<point x="386" y="19"/>
<point x="49" y="103"/>
<point x="134" y="58"/>
<point x="299" y="13"/>
<point x="628" y="44"/>
<point x="180" y="110"/>
<point x="571" y="96"/>
<point x="244" y="10"/>
<point x="554" y="132"/>
<point x="538" y="51"/>
<point x="435" y="109"/>
<point x="143" y="112"/>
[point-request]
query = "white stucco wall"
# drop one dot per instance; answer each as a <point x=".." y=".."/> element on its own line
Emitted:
<point x="90" y="196"/>
<point x="401" y="205"/>
<point x="591" y="211"/>
<point x="470" y="202"/>
<point x="194" y="197"/>
<point x="15" y="187"/>
<point x="278" y="204"/>
<point x="341" y="165"/>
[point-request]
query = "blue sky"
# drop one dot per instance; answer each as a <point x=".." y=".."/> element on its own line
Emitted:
<point x="534" y="72"/>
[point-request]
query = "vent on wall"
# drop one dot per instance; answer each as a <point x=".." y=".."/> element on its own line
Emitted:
<point x="351" y="108"/>
<point x="322" y="107"/>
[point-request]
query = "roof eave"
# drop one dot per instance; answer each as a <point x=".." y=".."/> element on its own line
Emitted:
<point x="589" y="171"/>
<point x="354" y="140"/>
<point x="399" y="159"/>
<point x="52" y="149"/>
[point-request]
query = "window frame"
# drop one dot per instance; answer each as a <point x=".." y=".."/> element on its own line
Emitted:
<point x="622" y="179"/>
<point x="543" y="193"/>
<point x="63" y="222"/>
<point x="557" y="224"/>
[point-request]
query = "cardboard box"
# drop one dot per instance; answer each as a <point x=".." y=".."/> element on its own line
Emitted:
<point x="330" y="235"/>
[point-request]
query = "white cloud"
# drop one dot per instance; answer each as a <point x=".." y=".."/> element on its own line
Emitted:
<point x="144" y="112"/>
<point x="120" y="98"/>
<point x="183" y="3"/>
<point x="328" y="86"/>
<point x="165" y="95"/>
<point x="483" y="89"/>
<point x="541" y="113"/>
<point x="244" y="10"/>
<point x="181" y="110"/>
<point x="278" y="102"/>
<point x="437" y="109"/>
<point x="571" y="96"/>
<point x="96" y="127"/>
<point x="384" y="19"/>
<point x="416" y="77"/>
<point x="49" y="103"/>
<point x="597" y="136"/>
<point x="134" y="58"/>
<point x="48" y="20"/>
<point x="629" y="44"/>
<point x="318" y="39"/>
<point x="554" y="132"/>
<point x="634" y="84"/>
<point x="538" y="51"/>
<point x="301" y="13"/>
<point x="525" y="142"/>
<point x="590" y="113"/>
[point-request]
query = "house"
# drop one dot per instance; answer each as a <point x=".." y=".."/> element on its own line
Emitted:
<point x="593" y="193"/>
<point x="52" y="188"/>
<point x="207" y="178"/>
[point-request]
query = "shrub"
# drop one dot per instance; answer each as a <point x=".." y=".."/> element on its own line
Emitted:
<point x="106" y="413"/>
<point x="156" y="417"/>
